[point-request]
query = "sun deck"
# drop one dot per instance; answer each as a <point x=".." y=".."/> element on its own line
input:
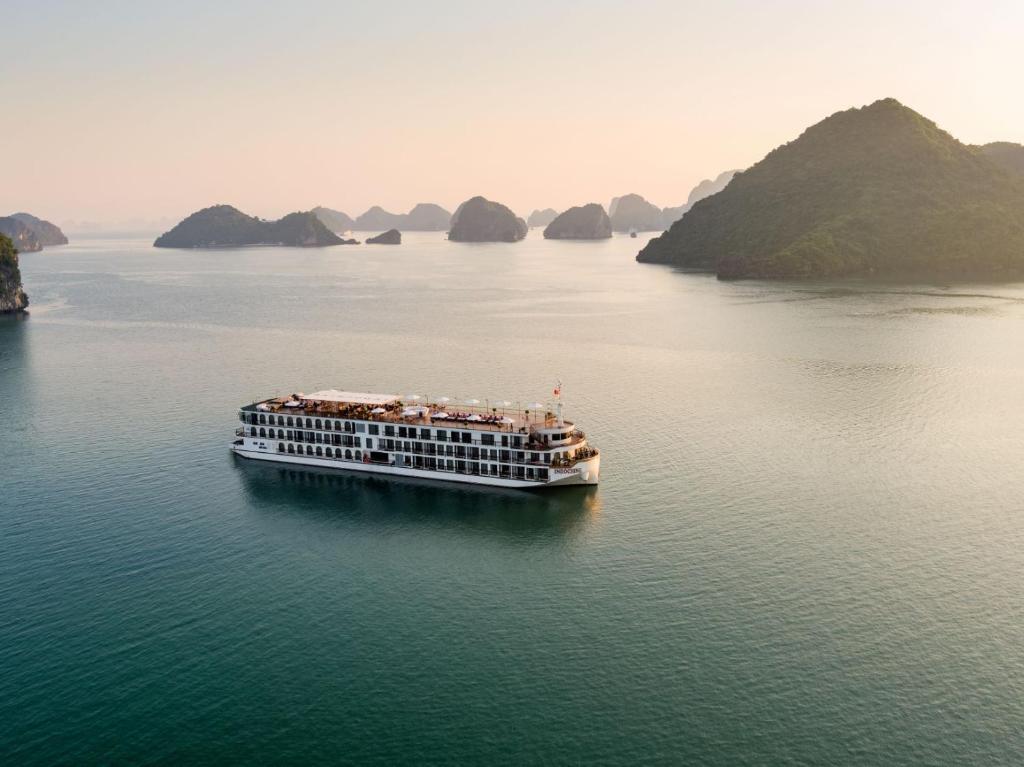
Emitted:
<point x="391" y="408"/>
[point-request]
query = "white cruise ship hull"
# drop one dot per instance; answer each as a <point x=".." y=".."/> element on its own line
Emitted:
<point x="583" y="473"/>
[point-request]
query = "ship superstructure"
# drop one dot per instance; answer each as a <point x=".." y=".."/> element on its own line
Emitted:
<point x="483" y="444"/>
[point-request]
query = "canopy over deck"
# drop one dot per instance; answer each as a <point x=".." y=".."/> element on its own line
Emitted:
<point x="351" y="397"/>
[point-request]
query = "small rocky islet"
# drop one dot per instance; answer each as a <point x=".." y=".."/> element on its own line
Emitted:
<point x="390" y="237"/>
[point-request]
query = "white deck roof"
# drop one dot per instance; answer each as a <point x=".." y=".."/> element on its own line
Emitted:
<point x="352" y="397"/>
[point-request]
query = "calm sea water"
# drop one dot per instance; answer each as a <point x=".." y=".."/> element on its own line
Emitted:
<point x="807" y="547"/>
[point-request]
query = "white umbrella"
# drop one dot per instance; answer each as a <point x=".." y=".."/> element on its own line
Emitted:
<point x="445" y="399"/>
<point x="473" y="417"/>
<point x="535" y="405"/>
<point x="378" y="410"/>
<point x="504" y="403"/>
<point x="413" y="397"/>
<point x="472" y="402"/>
<point x="506" y="419"/>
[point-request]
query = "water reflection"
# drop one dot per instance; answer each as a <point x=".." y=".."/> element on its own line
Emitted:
<point x="14" y="365"/>
<point x="398" y="501"/>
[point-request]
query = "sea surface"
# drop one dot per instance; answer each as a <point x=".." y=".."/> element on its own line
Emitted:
<point x="807" y="546"/>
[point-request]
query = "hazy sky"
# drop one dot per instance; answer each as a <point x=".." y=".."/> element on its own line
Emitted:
<point x="120" y="110"/>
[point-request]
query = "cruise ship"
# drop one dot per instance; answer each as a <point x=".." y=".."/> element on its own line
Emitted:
<point x="491" y="444"/>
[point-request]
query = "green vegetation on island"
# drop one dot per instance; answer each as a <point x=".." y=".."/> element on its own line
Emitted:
<point x="1005" y="154"/>
<point x="878" y="191"/>
<point x="12" y="295"/>
<point x="223" y="226"/>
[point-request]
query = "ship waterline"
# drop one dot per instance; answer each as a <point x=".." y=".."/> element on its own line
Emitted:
<point x="382" y="434"/>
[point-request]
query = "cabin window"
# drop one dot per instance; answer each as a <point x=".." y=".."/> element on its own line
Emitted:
<point x="374" y="429"/>
<point x="263" y="432"/>
<point x="263" y="418"/>
<point x="290" y="421"/>
<point x="291" y="448"/>
<point x="442" y="435"/>
<point x="359" y="455"/>
<point x="361" y="428"/>
<point x="389" y="431"/>
<point x="402" y="432"/>
<point x="424" y="433"/>
<point x="319" y="451"/>
<point x="504" y="440"/>
<point x="348" y="455"/>
<point x="327" y="425"/>
<point x="486" y="439"/>
<point x="319" y="424"/>
<point x="280" y="447"/>
<point x="328" y="453"/>
<point x="309" y="450"/>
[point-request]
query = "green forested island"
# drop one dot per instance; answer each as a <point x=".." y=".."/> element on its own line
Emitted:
<point x="12" y="296"/>
<point x="223" y="226"/>
<point x="878" y="191"/>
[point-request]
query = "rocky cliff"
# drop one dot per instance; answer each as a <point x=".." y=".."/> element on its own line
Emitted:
<point x="480" y="220"/>
<point x="583" y="222"/>
<point x="12" y="296"/>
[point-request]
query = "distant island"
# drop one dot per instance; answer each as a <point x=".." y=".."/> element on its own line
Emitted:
<point x="29" y="233"/>
<point x="12" y="295"/>
<point x="48" y="234"/>
<point x="705" y="188"/>
<point x="223" y="226"/>
<point x="334" y="220"/>
<point x="480" y="220"/>
<point x="541" y="217"/>
<point x="20" y="233"/>
<point x="424" y="217"/>
<point x="631" y="212"/>
<point x="878" y="191"/>
<point x="583" y="222"/>
<point x="390" y="237"/>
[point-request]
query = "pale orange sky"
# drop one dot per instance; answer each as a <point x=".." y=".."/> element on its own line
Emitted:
<point x="128" y="112"/>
